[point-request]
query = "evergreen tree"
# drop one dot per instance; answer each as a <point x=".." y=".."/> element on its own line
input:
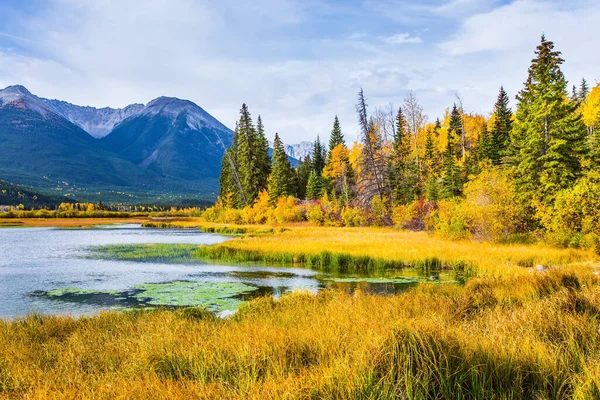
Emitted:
<point x="499" y="138"/>
<point x="402" y="173"/>
<point x="431" y="191"/>
<point x="302" y="174"/>
<point x="337" y="137"/>
<point x="319" y="157"/>
<point x="263" y="161"/>
<point x="456" y="128"/>
<point x="281" y="178"/>
<point x="486" y="146"/>
<point x="574" y="94"/>
<point x="450" y="184"/>
<point x="584" y="90"/>
<point x="231" y="192"/>
<point x="314" y="187"/>
<point x="337" y="174"/>
<point x="430" y="159"/>
<point x="251" y="156"/>
<point x="548" y="138"/>
<point x="437" y="126"/>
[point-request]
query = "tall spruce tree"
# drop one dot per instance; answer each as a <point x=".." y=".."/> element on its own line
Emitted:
<point x="499" y="137"/>
<point x="583" y="91"/>
<point x="251" y="154"/>
<point x="402" y="171"/>
<point x="450" y="185"/>
<point x="337" y="137"/>
<point x="337" y="174"/>
<point x="231" y="193"/>
<point x="263" y="161"/>
<point x="548" y="139"/>
<point x="281" y="178"/>
<point x="318" y="157"/>
<point x="456" y="129"/>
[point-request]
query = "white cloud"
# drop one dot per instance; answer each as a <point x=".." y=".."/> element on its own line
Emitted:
<point x="402" y="38"/>
<point x="271" y="55"/>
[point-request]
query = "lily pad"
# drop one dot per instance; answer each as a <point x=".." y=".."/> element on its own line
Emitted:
<point x="210" y="295"/>
<point x="213" y="296"/>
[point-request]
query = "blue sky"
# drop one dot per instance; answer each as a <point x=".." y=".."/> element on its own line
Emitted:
<point x="296" y="62"/>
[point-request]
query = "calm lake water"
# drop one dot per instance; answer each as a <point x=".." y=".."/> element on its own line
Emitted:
<point x="36" y="260"/>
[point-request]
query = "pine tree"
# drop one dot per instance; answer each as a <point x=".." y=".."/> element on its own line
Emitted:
<point x="281" y="178"/>
<point x="500" y="135"/>
<point x="314" y="187"/>
<point x="231" y="187"/>
<point x="486" y="146"/>
<point x="337" y="137"/>
<point x="548" y="138"/>
<point x="302" y="175"/>
<point x="402" y="173"/>
<point x="456" y="128"/>
<point x="318" y="157"/>
<point x="584" y="90"/>
<point x="263" y="159"/>
<point x="450" y="185"/>
<point x="437" y="127"/>
<point x="337" y="174"/>
<point x="251" y="156"/>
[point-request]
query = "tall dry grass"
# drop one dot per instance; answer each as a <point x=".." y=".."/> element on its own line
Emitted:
<point x="389" y="247"/>
<point x="530" y="336"/>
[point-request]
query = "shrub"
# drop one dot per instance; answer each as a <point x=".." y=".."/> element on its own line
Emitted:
<point x="314" y="214"/>
<point x="352" y="216"/>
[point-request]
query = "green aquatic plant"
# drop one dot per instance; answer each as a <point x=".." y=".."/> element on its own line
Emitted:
<point x="214" y="296"/>
<point x="79" y="292"/>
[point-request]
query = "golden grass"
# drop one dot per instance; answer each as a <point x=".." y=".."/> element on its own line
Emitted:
<point x="531" y="336"/>
<point x="510" y="333"/>
<point x="410" y="248"/>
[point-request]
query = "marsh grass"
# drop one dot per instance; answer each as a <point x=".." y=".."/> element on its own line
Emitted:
<point x="529" y="336"/>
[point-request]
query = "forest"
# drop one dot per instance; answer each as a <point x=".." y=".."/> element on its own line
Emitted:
<point x="511" y="176"/>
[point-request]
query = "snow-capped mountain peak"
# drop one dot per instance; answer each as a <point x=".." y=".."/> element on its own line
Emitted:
<point x="300" y="150"/>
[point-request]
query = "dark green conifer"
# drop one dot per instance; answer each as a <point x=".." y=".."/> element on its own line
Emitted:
<point x="281" y="178"/>
<point x="548" y="139"/>
<point x="499" y="137"/>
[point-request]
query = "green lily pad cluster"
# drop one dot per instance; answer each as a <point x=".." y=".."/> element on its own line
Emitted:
<point x="213" y="296"/>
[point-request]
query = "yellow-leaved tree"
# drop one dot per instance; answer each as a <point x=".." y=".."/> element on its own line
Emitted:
<point x="590" y="110"/>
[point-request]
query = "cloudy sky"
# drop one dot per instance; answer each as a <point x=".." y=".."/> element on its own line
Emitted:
<point x="296" y="62"/>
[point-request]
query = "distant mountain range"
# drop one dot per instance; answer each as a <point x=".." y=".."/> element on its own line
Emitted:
<point x="299" y="151"/>
<point x="168" y="150"/>
<point x="167" y="147"/>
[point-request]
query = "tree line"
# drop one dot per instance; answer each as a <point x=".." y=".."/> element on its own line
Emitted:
<point x="542" y="151"/>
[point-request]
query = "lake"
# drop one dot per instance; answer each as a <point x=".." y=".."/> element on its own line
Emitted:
<point x="50" y="271"/>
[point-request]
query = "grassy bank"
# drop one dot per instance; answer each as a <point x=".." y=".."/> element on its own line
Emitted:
<point x="363" y="250"/>
<point x="533" y="336"/>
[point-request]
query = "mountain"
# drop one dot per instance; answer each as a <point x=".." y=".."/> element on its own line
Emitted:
<point x="299" y="151"/>
<point x="169" y="147"/>
<point x="174" y="138"/>
<point x="98" y="122"/>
